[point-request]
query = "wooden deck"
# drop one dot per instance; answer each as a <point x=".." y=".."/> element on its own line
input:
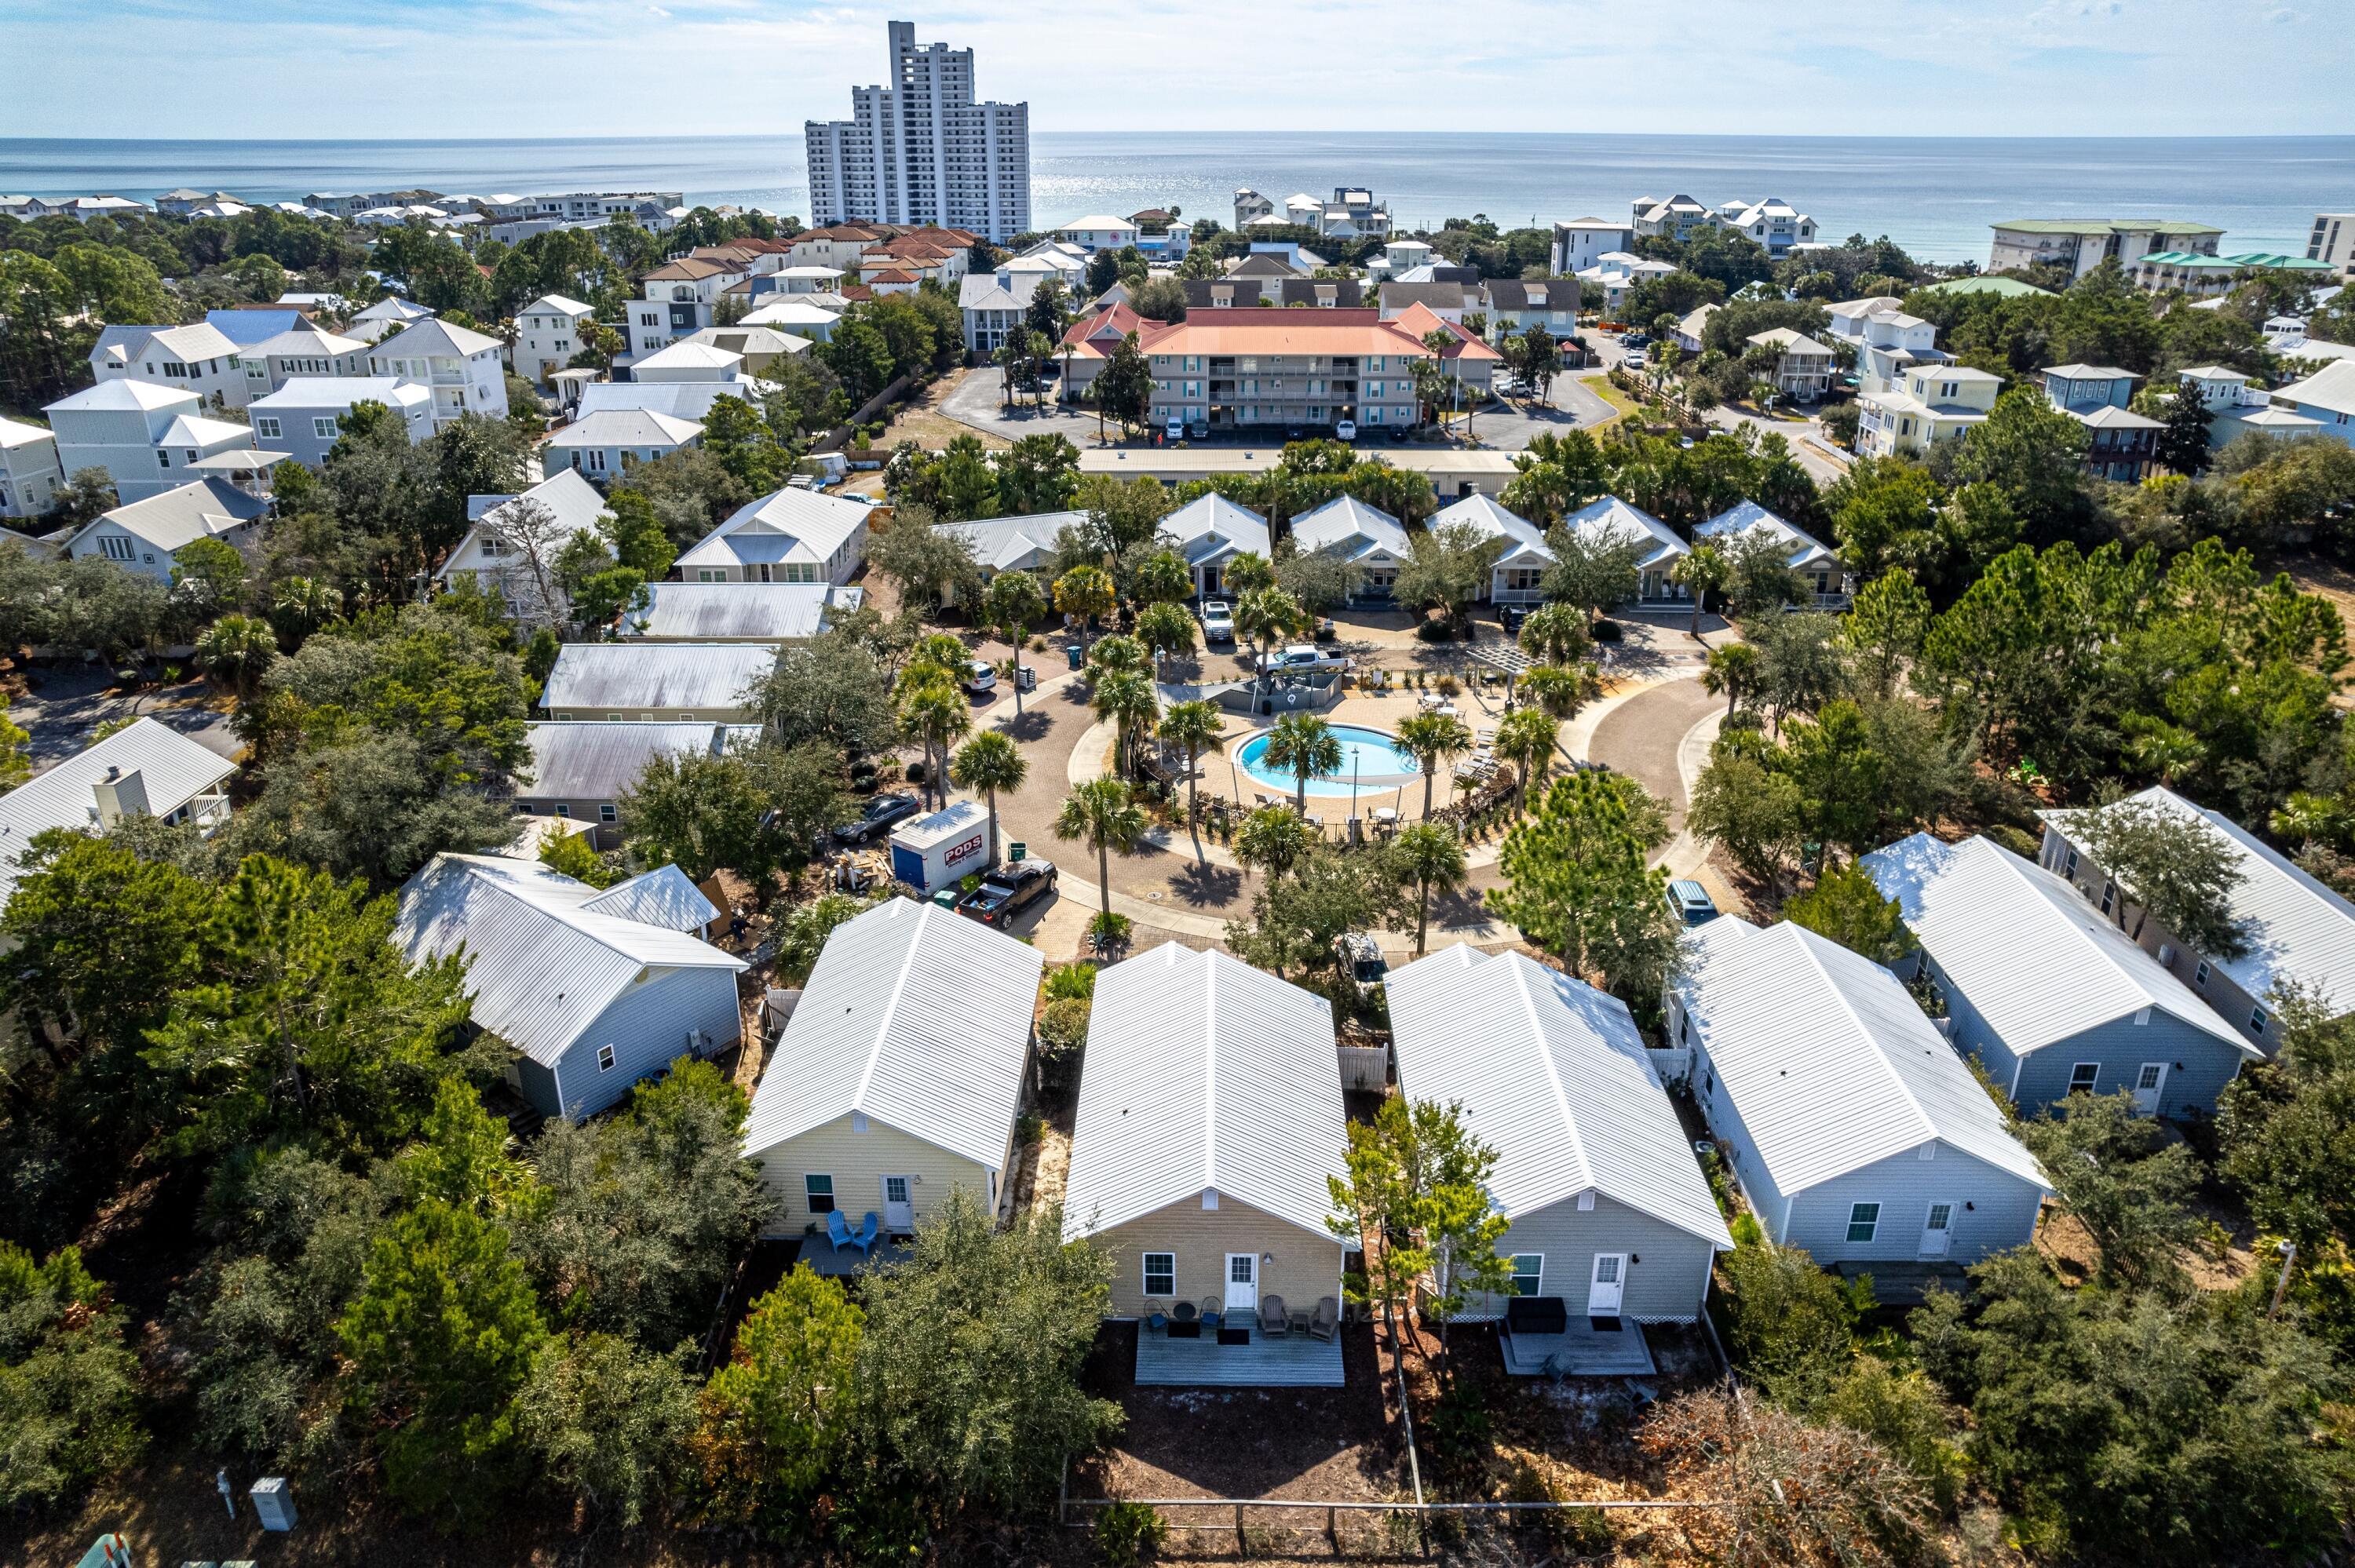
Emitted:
<point x="1580" y="1352"/>
<point x="824" y="1257"/>
<point x="1294" y="1361"/>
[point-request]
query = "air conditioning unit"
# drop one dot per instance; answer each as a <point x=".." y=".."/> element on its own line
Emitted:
<point x="2166" y="954"/>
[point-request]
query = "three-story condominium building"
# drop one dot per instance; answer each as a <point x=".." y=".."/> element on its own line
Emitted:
<point x="2081" y="244"/>
<point x="921" y="150"/>
<point x="1235" y="368"/>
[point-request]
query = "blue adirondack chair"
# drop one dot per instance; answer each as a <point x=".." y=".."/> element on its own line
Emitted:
<point x="867" y="1228"/>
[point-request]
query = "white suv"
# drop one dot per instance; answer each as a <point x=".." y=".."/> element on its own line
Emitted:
<point x="1218" y="621"/>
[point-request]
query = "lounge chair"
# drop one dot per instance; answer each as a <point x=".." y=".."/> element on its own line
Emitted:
<point x="1327" y="1321"/>
<point x="867" y="1228"/>
<point x="838" y="1232"/>
<point x="1273" y="1321"/>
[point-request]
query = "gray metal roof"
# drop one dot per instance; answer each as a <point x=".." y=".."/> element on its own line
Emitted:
<point x="600" y="761"/>
<point x="914" y="1016"/>
<point x="1551" y="1075"/>
<point x="626" y="677"/>
<point x="1349" y="522"/>
<point x="1611" y="517"/>
<point x="1482" y="510"/>
<point x="780" y="525"/>
<point x="191" y="512"/>
<point x="1000" y="544"/>
<point x="737" y="612"/>
<point x="1827" y="1059"/>
<point x="1211" y="525"/>
<point x="540" y="964"/>
<point x="172" y="769"/>
<point x="1204" y="1074"/>
<point x="1735" y="521"/>
<point x="2035" y="959"/>
<point x="662" y="896"/>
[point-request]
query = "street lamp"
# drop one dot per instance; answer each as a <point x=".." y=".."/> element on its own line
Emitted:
<point x="2288" y="1251"/>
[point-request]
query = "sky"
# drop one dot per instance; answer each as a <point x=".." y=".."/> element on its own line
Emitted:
<point x="280" y="69"/>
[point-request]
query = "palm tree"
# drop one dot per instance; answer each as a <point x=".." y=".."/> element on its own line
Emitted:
<point x="1556" y="634"/>
<point x="1305" y="747"/>
<point x="1100" y="814"/>
<point x="1084" y="593"/>
<point x="1526" y="739"/>
<point x="1705" y="569"/>
<point x="1731" y="669"/>
<point x="1015" y="603"/>
<point x="1116" y="654"/>
<point x="1274" y="840"/>
<point x="1163" y="578"/>
<point x="1433" y="740"/>
<point x="1248" y="570"/>
<point x="989" y="762"/>
<point x="1125" y="697"/>
<point x="934" y="713"/>
<point x="304" y="605"/>
<point x="1560" y="690"/>
<point x="1193" y="729"/>
<point x="234" y="650"/>
<point x="1166" y="629"/>
<point x="2157" y="746"/>
<point x="1434" y="856"/>
<point x="1262" y="616"/>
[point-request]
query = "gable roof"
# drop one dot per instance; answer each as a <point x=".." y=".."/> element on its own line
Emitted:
<point x="1827" y="1059"/>
<point x="767" y="612"/>
<point x="1551" y="1075"/>
<point x="17" y="433"/>
<point x="627" y="677"/>
<point x="195" y="342"/>
<point x="624" y="427"/>
<point x="688" y="400"/>
<point x="1211" y="525"/>
<point x="2331" y="388"/>
<point x="2036" y="960"/>
<point x="664" y="896"/>
<point x="124" y="392"/>
<point x="914" y="1016"/>
<point x="171" y="767"/>
<point x="2298" y="931"/>
<point x="780" y="525"/>
<point x="1204" y="1074"/>
<point x="688" y="355"/>
<point x="1806" y="548"/>
<point x="557" y="304"/>
<point x="180" y="516"/>
<point x="245" y="328"/>
<point x="1421" y="321"/>
<point x="1350" y="523"/>
<point x="598" y="760"/>
<point x="1003" y="543"/>
<point x="305" y="393"/>
<point x="573" y="500"/>
<point x="436" y="336"/>
<point x="302" y="338"/>
<point x="1609" y="517"/>
<point x="540" y="964"/>
<point x="1482" y="510"/>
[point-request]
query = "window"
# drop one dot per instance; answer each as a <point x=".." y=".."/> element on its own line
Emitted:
<point x="2200" y="975"/>
<point x="605" y="813"/>
<point x="266" y="427"/>
<point x="819" y="1192"/>
<point x="163" y="457"/>
<point x="562" y="809"/>
<point x="2083" y="1076"/>
<point x="1863" y="1220"/>
<point x="604" y="1058"/>
<point x="2257" y="1020"/>
<point x="324" y="426"/>
<point x="2109" y="893"/>
<point x="1528" y="1273"/>
<point x="1161" y="1274"/>
<point x="2148" y="1079"/>
<point x="2069" y="869"/>
<point x="114" y="549"/>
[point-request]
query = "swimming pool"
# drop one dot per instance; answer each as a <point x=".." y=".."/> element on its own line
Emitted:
<point x="1375" y="757"/>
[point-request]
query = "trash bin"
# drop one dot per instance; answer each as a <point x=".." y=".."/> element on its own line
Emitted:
<point x="1025" y="678"/>
<point x="1016" y="850"/>
<point x="947" y="897"/>
<point x="1073" y="652"/>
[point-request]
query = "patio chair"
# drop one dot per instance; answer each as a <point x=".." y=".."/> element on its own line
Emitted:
<point x="1213" y="1312"/>
<point x="1273" y="1321"/>
<point x="867" y="1228"/>
<point x="838" y="1232"/>
<point x="1155" y="1318"/>
<point x="1327" y="1321"/>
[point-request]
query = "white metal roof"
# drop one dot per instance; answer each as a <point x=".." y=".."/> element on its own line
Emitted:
<point x="1612" y="517"/>
<point x="957" y="817"/>
<point x="556" y="305"/>
<point x="1735" y="521"/>
<point x="540" y="964"/>
<point x="1211" y="525"/>
<point x="2298" y="931"/>
<point x="1204" y="1074"/>
<point x="1521" y="537"/>
<point x="914" y="1016"/>
<point x="630" y="677"/>
<point x="765" y="612"/>
<point x="171" y="768"/>
<point x="2037" y="961"/>
<point x="200" y="510"/>
<point x="1553" y="1077"/>
<point x="1000" y="544"/>
<point x="1350" y="523"/>
<point x="625" y="428"/>
<point x="688" y="355"/>
<point x="573" y="501"/>
<point x="431" y="337"/>
<point x="785" y="524"/>
<point x="303" y="394"/>
<point x="598" y="760"/>
<point x="662" y="896"/>
<point x="1826" y="1057"/>
<point x="126" y="393"/>
<point x="17" y="433"/>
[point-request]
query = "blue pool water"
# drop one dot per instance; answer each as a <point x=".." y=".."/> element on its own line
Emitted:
<point x="1374" y="755"/>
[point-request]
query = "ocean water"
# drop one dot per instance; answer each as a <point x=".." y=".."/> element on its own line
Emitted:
<point x="1936" y="196"/>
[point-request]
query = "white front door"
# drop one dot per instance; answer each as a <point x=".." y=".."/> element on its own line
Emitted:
<point x="1242" y="1283"/>
<point x="1609" y="1285"/>
<point x="1938" y="1230"/>
<point x="899" y="1208"/>
<point x="2148" y="1081"/>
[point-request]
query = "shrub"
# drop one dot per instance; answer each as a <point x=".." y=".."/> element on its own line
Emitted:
<point x="1447" y="685"/>
<point x="1071" y="982"/>
<point x="1062" y="1032"/>
<point x="1746" y="1231"/>
<point x="1434" y="631"/>
<point x="2019" y="841"/>
<point x="915" y="773"/>
<point x="1607" y="631"/>
<point x="1126" y="1532"/>
<point x="1109" y="927"/>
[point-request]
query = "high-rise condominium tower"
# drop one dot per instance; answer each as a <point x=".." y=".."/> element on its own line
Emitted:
<point x="920" y="150"/>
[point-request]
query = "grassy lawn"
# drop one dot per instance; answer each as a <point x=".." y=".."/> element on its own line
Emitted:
<point x="1599" y="384"/>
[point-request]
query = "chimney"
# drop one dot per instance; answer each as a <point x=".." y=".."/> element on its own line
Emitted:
<point x="121" y="795"/>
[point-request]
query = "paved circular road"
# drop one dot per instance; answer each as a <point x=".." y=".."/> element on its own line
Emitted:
<point x="1642" y="736"/>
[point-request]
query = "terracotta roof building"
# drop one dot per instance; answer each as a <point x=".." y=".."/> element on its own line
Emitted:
<point x="1234" y="368"/>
